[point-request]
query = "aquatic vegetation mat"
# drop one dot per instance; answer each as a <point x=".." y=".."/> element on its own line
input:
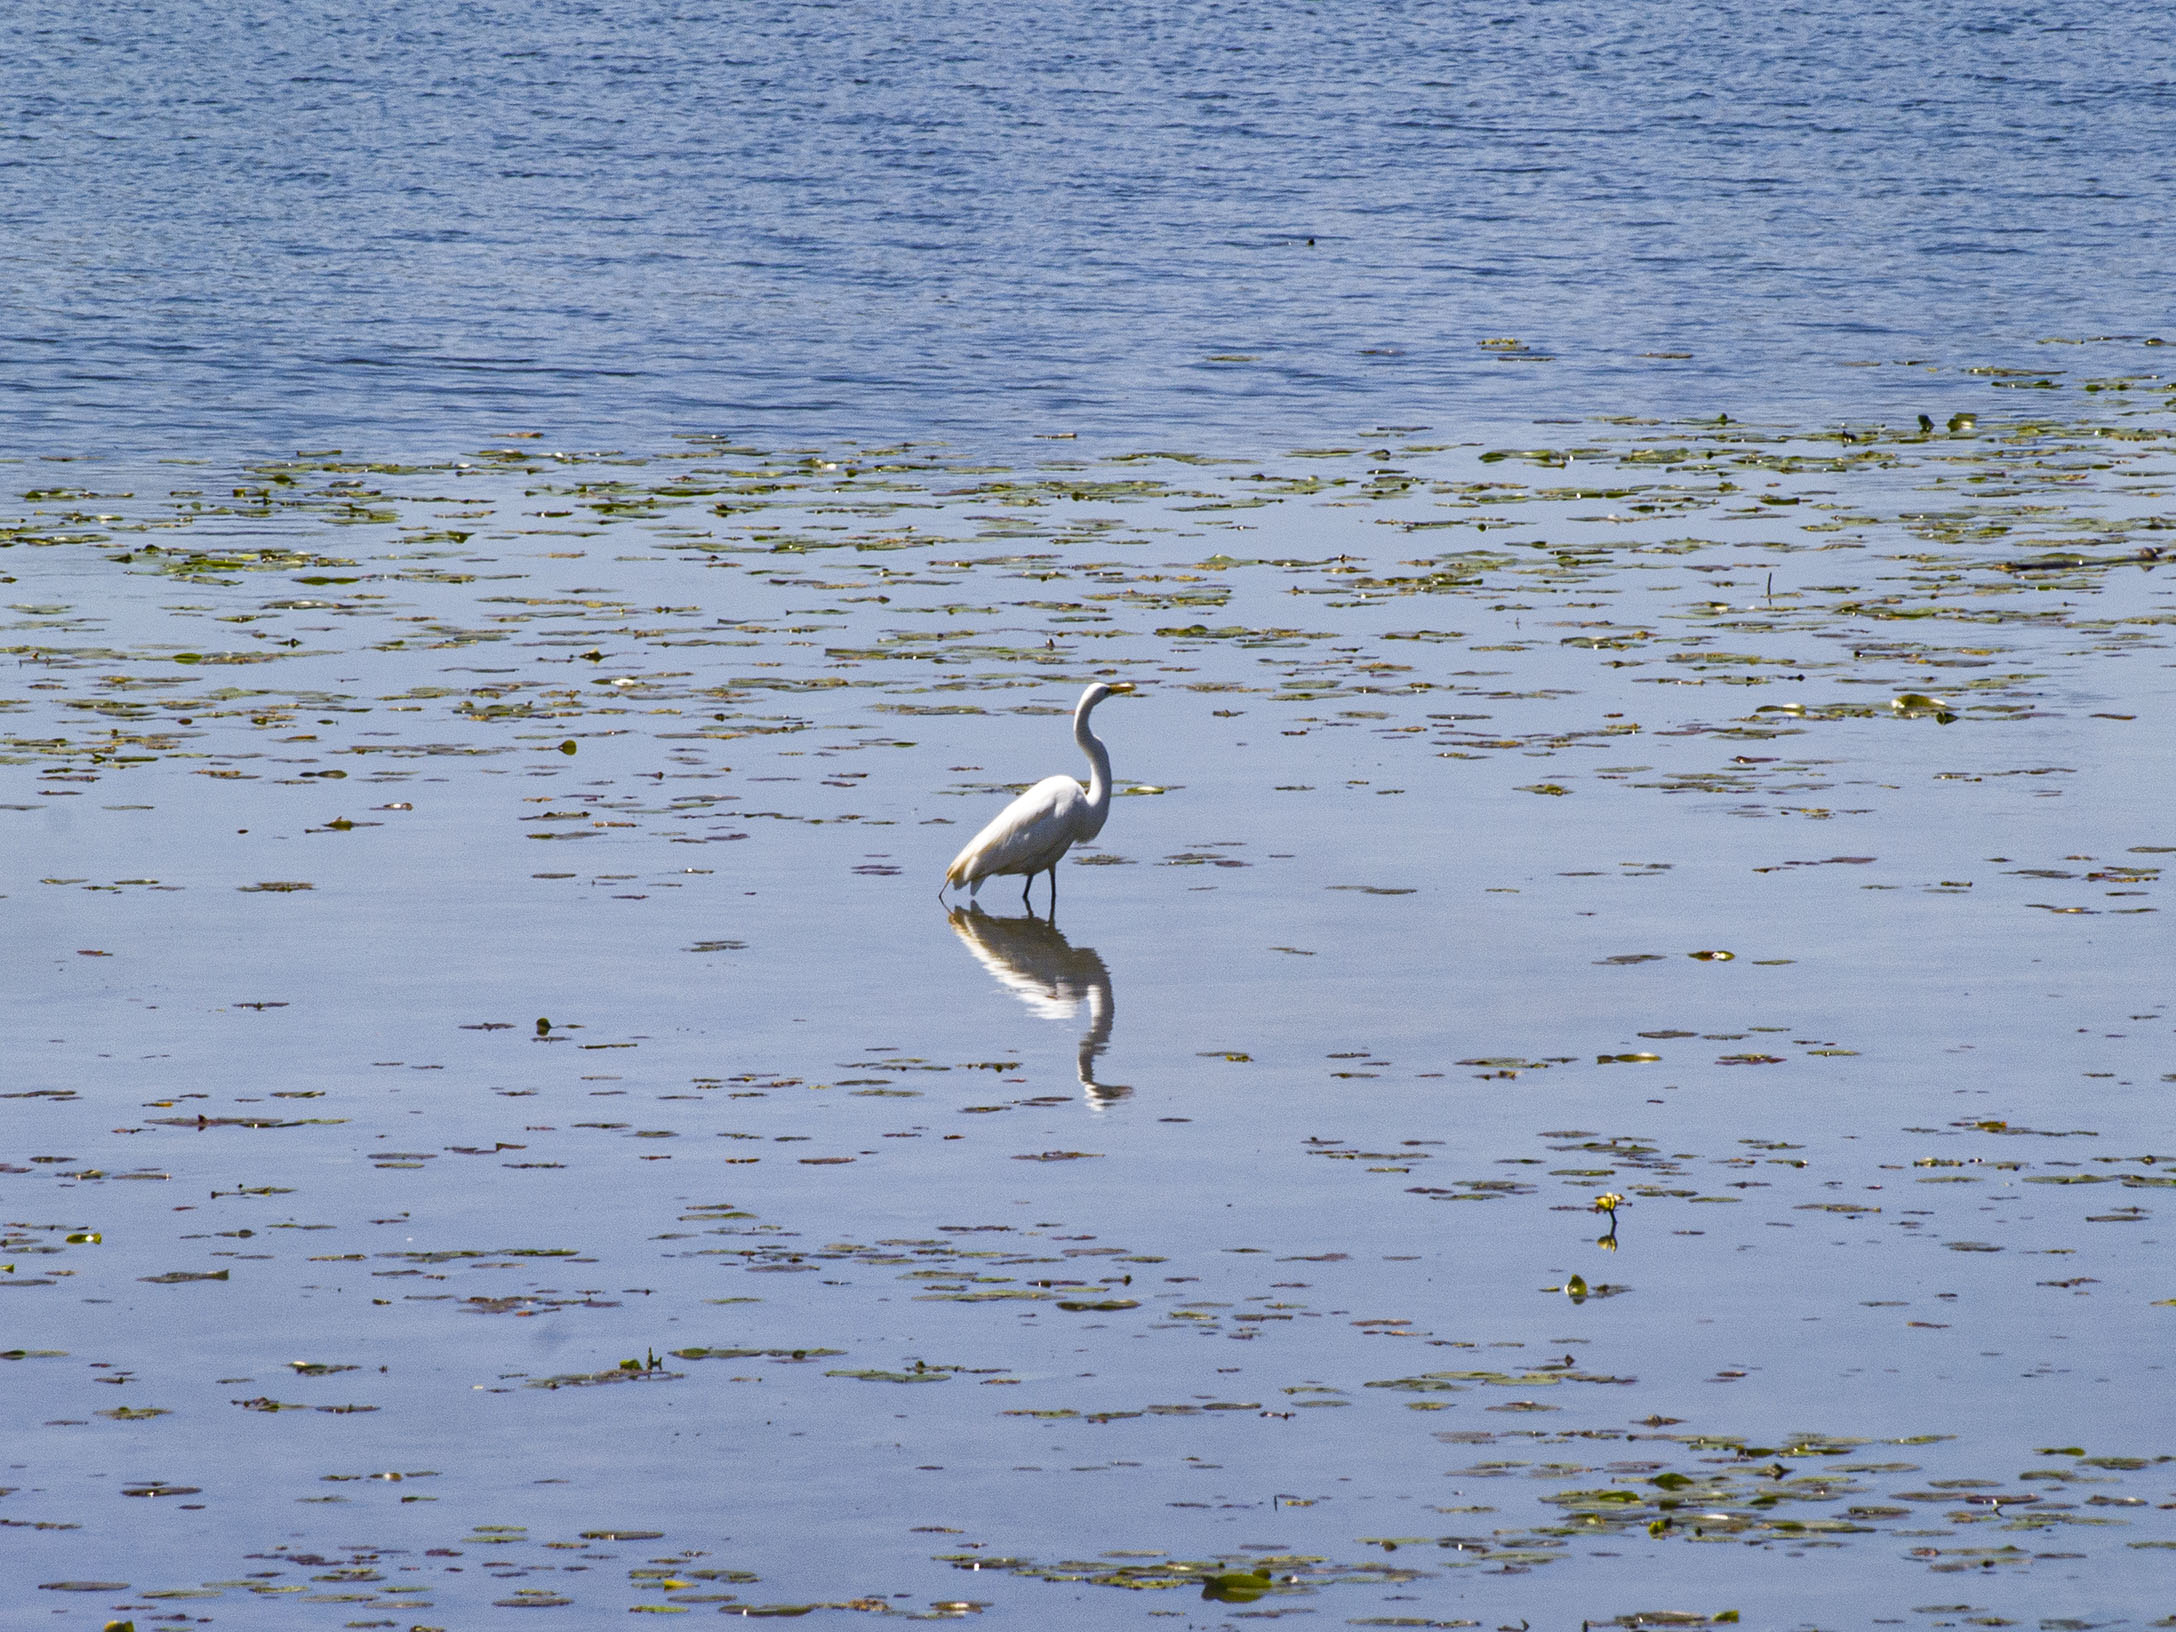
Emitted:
<point x="696" y="1217"/>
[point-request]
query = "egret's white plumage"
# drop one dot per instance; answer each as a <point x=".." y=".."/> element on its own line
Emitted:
<point x="1032" y="834"/>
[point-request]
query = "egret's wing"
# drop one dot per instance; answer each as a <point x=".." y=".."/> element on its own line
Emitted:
<point x="1026" y="836"/>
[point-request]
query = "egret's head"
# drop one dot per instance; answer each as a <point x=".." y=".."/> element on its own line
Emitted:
<point x="1100" y="690"/>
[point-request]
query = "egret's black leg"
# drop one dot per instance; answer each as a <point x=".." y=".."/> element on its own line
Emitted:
<point x="1053" y="892"/>
<point x="1028" y="885"/>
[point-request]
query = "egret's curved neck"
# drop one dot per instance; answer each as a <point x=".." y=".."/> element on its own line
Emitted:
<point x="1099" y="768"/>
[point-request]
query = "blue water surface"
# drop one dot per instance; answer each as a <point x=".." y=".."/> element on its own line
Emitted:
<point x="240" y="228"/>
<point x="1611" y="1067"/>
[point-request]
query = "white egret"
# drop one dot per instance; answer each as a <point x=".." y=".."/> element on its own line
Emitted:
<point x="1032" y="834"/>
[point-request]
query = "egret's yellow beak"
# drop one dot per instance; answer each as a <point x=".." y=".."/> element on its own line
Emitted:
<point x="1121" y="685"/>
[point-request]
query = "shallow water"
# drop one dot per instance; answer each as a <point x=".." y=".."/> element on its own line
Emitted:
<point x="1697" y="815"/>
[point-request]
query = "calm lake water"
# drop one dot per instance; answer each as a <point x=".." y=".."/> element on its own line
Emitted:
<point x="1574" y="1086"/>
<point x="407" y="227"/>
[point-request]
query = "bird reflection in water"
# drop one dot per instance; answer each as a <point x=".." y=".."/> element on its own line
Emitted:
<point x="1052" y="976"/>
